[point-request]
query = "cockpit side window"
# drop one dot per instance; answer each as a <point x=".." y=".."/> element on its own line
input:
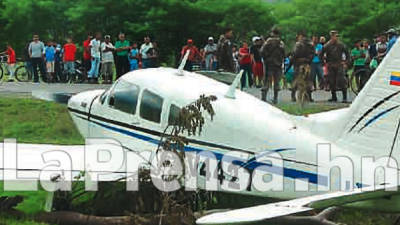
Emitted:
<point x="173" y="115"/>
<point x="124" y="97"/>
<point x="151" y="106"/>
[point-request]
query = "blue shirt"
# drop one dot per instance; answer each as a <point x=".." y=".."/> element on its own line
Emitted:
<point x="133" y="52"/>
<point x="50" y="53"/>
<point x="391" y="42"/>
<point x="318" y="48"/>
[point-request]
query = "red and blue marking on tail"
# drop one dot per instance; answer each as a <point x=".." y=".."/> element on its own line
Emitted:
<point x="395" y="78"/>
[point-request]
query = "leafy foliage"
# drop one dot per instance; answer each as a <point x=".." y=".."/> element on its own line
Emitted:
<point x="171" y="22"/>
<point x="354" y="20"/>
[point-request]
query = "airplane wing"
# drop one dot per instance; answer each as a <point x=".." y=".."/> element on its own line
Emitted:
<point x="29" y="163"/>
<point x="285" y="208"/>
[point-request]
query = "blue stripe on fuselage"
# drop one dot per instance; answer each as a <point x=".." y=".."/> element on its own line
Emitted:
<point x="287" y="172"/>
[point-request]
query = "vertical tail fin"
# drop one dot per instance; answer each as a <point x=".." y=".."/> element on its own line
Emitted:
<point x="372" y="122"/>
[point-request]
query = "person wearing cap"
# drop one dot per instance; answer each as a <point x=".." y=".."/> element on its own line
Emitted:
<point x="36" y="53"/>
<point x="273" y="53"/>
<point x="210" y="51"/>
<point x="392" y="38"/>
<point x="256" y="61"/>
<point x="303" y="54"/>
<point x="358" y="55"/>
<point x="95" y="47"/>
<point x="107" y="60"/>
<point x="193" y="57"/>
<point x="334" y="51"/>
<point x="224" y="52"/>
<point x="144" y="48"/>
<point x="122" y="48"/>
<point x="69" y="57"/>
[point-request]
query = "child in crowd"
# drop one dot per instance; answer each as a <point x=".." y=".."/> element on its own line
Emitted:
<point x="50" y="52"/>
<point x="134" y="57"/>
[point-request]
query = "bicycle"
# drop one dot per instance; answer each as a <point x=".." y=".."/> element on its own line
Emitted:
<point x="359" y="78"/>
<point x="77" y="77"/>
<point x="21" y="73"/>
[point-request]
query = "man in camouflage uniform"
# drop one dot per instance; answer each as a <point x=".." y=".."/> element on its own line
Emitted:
<point x="224" y="52"/>
<point x="334" y="52"/>
<point x="303" y="54"/>
<point x="273" y="53"/>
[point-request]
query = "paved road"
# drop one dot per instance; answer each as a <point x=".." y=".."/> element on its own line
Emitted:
<point x="29" y="89"/>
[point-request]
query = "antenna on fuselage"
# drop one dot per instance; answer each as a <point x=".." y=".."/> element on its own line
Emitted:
<point x="183" y="63"/>
<point x="234" y="85"/>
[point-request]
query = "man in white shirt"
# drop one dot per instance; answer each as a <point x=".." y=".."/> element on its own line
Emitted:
<point x="36" y="51"/>
<point x="210" y="51"/>
<point x="107" y="49"/>
<point x="95" y="54"/>
<point x="146" y="46"/>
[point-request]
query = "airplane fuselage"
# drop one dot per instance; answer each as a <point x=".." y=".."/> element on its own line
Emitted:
<point x="243" y="125"/>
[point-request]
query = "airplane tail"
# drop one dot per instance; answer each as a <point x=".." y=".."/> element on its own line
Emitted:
<point x="371" y="124"/>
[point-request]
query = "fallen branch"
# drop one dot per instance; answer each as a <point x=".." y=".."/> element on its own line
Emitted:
<point x="320" y="219"/>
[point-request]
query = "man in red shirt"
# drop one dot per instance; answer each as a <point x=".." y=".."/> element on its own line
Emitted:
<point x="194" y="55"/>
<point x="11" y="60"/>
<point x="87" y="59"/>
<point x="245" y="65"/>
<point x="69" y="58"/>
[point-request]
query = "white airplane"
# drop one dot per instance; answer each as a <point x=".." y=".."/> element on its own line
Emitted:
<point x="138" y="107"/>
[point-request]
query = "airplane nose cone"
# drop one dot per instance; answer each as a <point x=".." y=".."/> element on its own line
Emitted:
<point x="73" y="102"/>
<point x="83" y="100"/>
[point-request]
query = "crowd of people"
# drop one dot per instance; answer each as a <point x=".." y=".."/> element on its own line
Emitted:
<point x="54" y="61"/>
<point x="311" y="60"/>
<point x="263" y="59"/>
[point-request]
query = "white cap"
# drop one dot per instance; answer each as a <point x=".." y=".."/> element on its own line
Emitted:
<point x="211" y="39"/>
<point x="256" y="38"/>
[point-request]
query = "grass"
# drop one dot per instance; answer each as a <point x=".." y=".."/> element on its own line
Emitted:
<point x="33" y="203"/>
<point x="36" y="121"/>
<point x="310" y="108"/>
<point x="7" y="220"/>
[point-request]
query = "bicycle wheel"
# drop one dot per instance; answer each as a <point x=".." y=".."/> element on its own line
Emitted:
<point x="1" y="73"/>
<point x="353" y="84"/>
<point x="64" y="77"/>
<point x="79" y="77"/>
<point x="355" y="80"/>
<point x="21" y="74"/>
